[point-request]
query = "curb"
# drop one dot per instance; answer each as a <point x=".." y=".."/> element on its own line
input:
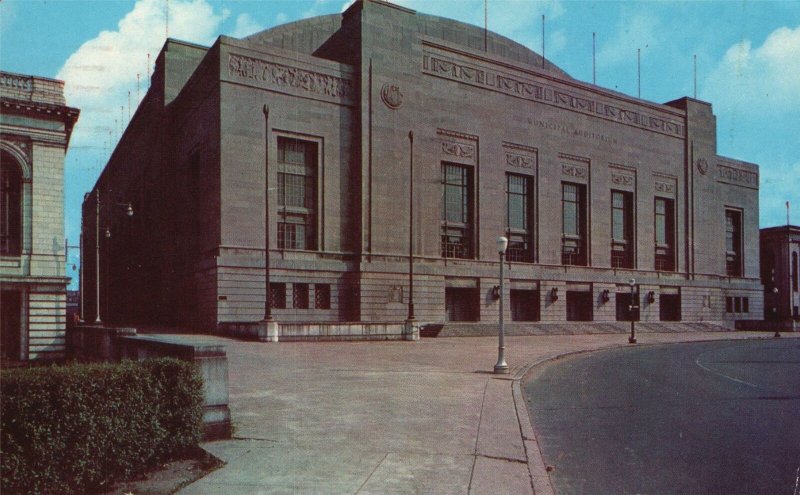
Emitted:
<point x="540" y="478"/>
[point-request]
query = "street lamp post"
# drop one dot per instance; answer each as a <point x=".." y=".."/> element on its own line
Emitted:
<point x="268" y="294"/>
<point x="501" y="367"/>
<point x="631" y="307"/>
<point x="775" y="313"/>
<point x="410" y="225"/>
<point x="129" y="213"/>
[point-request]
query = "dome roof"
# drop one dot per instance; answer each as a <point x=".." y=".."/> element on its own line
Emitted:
<point x="309" y="35"/>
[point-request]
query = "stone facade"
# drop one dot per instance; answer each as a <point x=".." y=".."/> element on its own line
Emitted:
<point x="780" y="250"/>
<point x="592" y="187"/>
<point x="35" y="128"/>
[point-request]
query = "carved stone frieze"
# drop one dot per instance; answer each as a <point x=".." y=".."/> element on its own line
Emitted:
<point x="438" y="64"/>
<point x="282" y="76"/>
<point x="519" y="161"/>
<point x="574" y="171"/>
<point x="459" y="150"/>
<point x="621" y="179"/>
<point x="664" y="187"/>
<point x="737" y="176"/>
<point x="456" y="71"/>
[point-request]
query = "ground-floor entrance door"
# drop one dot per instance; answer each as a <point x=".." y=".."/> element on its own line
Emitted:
<point x="462" y="304"/>
<point x="10" y="323"/>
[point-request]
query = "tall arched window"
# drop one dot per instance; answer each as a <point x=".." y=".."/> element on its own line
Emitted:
<point x="794" y="272"/>
<point x="10" y="206"/>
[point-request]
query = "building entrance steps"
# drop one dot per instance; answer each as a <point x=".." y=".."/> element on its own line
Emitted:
<point x="565" y="328"/>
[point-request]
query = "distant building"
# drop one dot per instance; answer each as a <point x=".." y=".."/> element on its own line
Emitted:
<point x="780" y="250"/>
<point x="35" y="128"/>
<point x="591" y="187"/>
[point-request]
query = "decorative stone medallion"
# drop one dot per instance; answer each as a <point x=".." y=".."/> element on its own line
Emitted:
<point x="392" y="96"/>
<point x="702" y="166"/>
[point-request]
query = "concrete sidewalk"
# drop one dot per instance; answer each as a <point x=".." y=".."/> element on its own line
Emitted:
<point x="390" y="417"/>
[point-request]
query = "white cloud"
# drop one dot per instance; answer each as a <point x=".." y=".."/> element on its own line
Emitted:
<point x="762" y="78"/>
<point x="245" y="26"/>
<point x="100" y="73"/>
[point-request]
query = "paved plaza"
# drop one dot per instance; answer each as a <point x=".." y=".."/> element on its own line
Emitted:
<point x="390" y="417"/>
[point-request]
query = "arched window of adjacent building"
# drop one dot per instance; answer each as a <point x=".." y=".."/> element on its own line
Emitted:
<point x="794" y="272"/>
<point x="10" y="206"/>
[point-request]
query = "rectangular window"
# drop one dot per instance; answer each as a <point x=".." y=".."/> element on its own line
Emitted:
<point x="733" y="243"/>
<point x="277" y="296"/>
<point x="665" y="234"/>
<point x="300" y="296"/>
<point x="737" y="304"/>
<point x="297" y="181"/>
<point x="518" y="224"/>
<point x="456" y="211"/>
<point x="621" y="229"/>
<point x="573" y="208"/>
<point x="322" y="296"/>
<point x="10" y="207"/>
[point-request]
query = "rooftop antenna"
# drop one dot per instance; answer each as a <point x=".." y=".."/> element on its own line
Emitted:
<point x="594" y="59"/>
<point x="485" y="25"/>
<point x="787" y="214"/>
<point x="542" y="41"/>
<point x="148" y="69"/>
<point x="166" y="26"/>
<point x="639" y="71"/>
<point x="695" y="76"/>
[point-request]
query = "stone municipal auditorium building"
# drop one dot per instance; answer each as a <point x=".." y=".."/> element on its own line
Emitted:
<point x="388" y="134"/>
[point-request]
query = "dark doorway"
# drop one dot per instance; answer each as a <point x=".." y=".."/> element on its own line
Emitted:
<point x="10" y="324"/>
<point x="461" y="304"/>
<point x="669" y="307"/>
<point x="624" y="312"/>
<point x="525" y="305"/>
<point x="579" y="306"/>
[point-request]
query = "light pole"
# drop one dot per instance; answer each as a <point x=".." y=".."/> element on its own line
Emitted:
<point x="631" y="307"/>
<point x="411" y="225"/>
<point x="775" y="313"/>
<point x="268" y="294"/>
<point x="129" y="212"/>
<point x="501" y="367"/>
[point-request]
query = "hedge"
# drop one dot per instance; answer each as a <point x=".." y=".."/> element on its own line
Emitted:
<point x="73" y="429"/>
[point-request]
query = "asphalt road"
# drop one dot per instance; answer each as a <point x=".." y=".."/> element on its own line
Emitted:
<point x="712" y="417"/>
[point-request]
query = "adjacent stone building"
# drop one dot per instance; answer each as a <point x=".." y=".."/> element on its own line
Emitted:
<point x="35" y="129"/>
<point x="388" y="134"/>
<point x="780" y="250"/>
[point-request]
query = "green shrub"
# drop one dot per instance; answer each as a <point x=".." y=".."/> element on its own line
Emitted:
<point x="74" y="428"/>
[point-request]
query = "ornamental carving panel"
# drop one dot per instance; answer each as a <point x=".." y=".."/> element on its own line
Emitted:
<point x="621" y="179"/>
<point x="574" y="171"/>
<point x="519" y="161"/>
<point x="459" y="150"/>
<point x="392" y="96"/>
<point x="282" y="76"/>
<point x="664" y="187"/>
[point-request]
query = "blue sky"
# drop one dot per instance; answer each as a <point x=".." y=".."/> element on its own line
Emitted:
<point x="748" y="63"/>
